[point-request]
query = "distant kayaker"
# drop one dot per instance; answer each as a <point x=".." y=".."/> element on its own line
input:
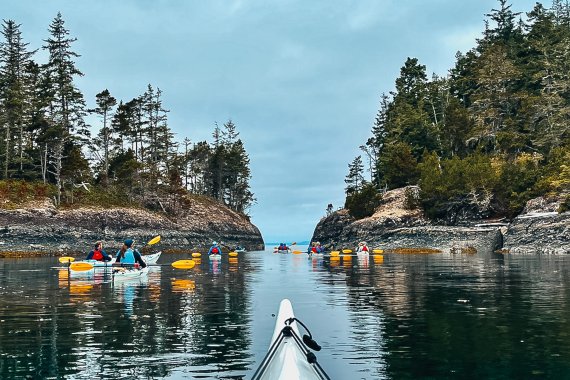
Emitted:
<point x="215" y="249"/>
<point x="128" y="255"/>
<point x="98" y="253"/>
<point x="362" y="247"/>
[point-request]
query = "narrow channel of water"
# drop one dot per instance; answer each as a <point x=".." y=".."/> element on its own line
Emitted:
<point x="408" y="316"/>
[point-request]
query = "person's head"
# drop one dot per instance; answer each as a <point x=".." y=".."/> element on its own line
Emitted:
<point x="98" y="245"/>
<point x="129" y="243"/>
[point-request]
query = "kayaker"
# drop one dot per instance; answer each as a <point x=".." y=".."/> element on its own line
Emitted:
<point x="362" y="247"/>
<point x="98" y="253"/>
<point x="128" y="255"/>
<point x="215" y="249"/>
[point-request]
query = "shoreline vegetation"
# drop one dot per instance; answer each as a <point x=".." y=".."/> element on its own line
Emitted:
<point x="484" y="140"/>
<point x="68" y="179"/>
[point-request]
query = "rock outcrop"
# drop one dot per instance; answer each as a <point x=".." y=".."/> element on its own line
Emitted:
<point x="41" y="228"/>
<point x="539" y="229"/>
<point x="394" y="226"/>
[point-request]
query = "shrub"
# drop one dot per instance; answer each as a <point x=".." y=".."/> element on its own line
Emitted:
<point x="363" y="202"/>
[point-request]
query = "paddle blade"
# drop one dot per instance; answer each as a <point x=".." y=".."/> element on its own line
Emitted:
<point x="184" y="264"/>
<point x="335" y="253"/>
<point x="378" y="251"/>
<point x="297" y="252"/>
<point x="233" y="254"/>
<point x="196" y="254"/>
<point x="154" y="240"/>
<point x="66" y="259"/>
<point x="81" y="266"/>
<point x="347" y="251"/>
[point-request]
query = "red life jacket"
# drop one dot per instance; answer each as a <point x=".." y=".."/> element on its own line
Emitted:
<point x="97" y="255"/>
<point x="214" y="250"/>
<point x="365" y="248"/>
<point x="314" y="249"/>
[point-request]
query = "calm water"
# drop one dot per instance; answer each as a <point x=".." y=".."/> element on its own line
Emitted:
<point x="411" y="316"/>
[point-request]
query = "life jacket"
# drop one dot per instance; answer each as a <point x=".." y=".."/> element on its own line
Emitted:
<point x="314" y="249"/>
<point x="97" y="255"/>
<point x="365" y="248"/>
<point x="129" y="257"/>
<point x="215" y="251"/>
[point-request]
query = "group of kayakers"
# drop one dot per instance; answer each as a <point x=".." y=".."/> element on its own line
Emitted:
<point x="315" y="247"/>
<point x="126" y="255"/>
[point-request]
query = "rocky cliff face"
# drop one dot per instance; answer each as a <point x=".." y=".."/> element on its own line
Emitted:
<point x="40" y="228"/>
<point x="393" y="226"/>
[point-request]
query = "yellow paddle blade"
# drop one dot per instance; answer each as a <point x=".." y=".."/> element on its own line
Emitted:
<point x="335" y="253"/>
<point x="154" y="240"/>
<point x="184" y="264"/>
<point x="66" y="259"/>
<point x="196" y="254"/>
<point x="233" y="254"/>
<point x="378" y="259"/>
<point x="377" y="251"/>
<point x="297" y="252"/>
<point x="81" y="266"/>
<point x="347" y="251"/>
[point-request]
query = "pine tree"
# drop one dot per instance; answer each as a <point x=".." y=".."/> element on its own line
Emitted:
<point x="105" y="103"/>
<point x="15" y="95"/>
<point x="66" y="108"/>
<point x="355" y="177"/>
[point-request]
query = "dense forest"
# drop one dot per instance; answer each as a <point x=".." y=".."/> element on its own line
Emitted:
<point x="47" y="147"/>
<point x="492" y="134"/>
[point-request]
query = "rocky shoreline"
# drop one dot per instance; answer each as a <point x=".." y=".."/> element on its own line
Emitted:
<point x="41" y="229"/>
<point x="538" y="229"/>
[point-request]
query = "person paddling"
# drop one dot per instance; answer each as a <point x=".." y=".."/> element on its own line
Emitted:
<point x="128" y="255"/>
<point x="215" y="249"/>
<point x="98" y="253"/>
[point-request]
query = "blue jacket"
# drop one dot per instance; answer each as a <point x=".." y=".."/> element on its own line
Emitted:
<point x="131" y="257"/>
<point x="212" y="248"/>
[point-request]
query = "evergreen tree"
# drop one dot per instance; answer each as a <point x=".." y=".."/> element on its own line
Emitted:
<point x="15" y="95"/>
<point x="105" y="103"/>
<point x="355" y="177"/>
<point x="66" y="107"/>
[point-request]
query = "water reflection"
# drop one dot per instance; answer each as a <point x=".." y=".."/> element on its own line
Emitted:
<point x="386" y="316"/>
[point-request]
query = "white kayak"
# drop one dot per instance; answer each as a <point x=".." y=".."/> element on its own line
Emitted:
<point x="288" y="357"/>
<point x="152" y="259"/>
<point x="123" y="274"/>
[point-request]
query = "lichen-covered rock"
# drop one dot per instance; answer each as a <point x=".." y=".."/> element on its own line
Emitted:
<point x="393" y="226"/>
<point x="42" y="227"/>
<point x="539" y="232"/>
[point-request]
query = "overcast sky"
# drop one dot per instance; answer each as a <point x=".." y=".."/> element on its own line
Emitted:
<point x="301" y="79"/>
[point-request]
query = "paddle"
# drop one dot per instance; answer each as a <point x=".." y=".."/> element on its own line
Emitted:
<point x="66" y="259"/>
<point x="196" y="254"/>
<point x="184" y="264"/>
<point x="153" y="241"/>
<point x="233" y="254"/>
<point x="81" y="266"/>
<point x="297" y="252"/>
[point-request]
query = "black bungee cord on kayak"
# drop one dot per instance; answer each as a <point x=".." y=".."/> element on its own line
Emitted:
<point x="307" y="341"/>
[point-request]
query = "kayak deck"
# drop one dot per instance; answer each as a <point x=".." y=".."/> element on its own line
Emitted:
<point x="288" y="358"/>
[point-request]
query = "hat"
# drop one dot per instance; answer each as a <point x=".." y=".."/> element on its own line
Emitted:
<point x="129" y="242"/>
